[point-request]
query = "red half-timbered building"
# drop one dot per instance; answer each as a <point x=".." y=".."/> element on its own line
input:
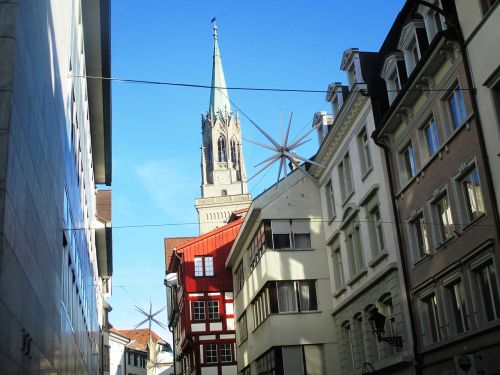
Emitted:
<point x="200" y="301"/>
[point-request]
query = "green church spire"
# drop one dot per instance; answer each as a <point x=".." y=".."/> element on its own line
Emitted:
<point x="219" y="98"/>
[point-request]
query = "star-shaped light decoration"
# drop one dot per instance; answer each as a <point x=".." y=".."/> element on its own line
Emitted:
<point x="156" y="364"/>
<point x="284" y="152"/>
<point x="150" y="317"/>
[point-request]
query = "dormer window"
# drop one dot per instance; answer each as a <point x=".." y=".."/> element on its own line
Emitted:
<point x="335" y="95"/>
<point x="323" y="122"/>
<point x="412" y="43"/>
<point x="434" y="22"/>
<point x="394" y="74"/>
<point x="351" y="65"/>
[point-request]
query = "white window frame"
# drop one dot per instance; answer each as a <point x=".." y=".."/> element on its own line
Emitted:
<point x="200" y="306"/>
<point x="408" y="41"/>
<point x="434" y="22"/>
<point x="431" y="144"/>
<point x="330" y="200"/>
<point x="391" y="75"/>
<point x="456" y="96"/>
<point x="478" y="300"/>
<point x="345" y="178"/>
<point x="408" y="167"/>
<point x="412" y="224"/>
<point x="337" y="266"/>
<point x="364" y="151"/>
<point x="451" y="319"/>
<point x="466" y="213"/>
<point x="441" y="234"/>
<point x="425" y="318"/>
<point x="295" y="228"/>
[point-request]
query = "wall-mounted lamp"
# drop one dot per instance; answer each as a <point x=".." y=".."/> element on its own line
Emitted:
<point x="377" y="322"/>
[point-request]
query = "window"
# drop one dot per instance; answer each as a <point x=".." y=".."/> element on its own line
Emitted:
<point x="346" y="331"/>
<point x="354" y="248"/>
<point x="262" y="304"/>
<point x="223" y="192"/>
<point x="210" y="353"/>
<point x="486" y="5"/>
<point x="198" y="310"/>
<point x="221" y="148"/>
<point x="420" y="236"/>
<point x="240" y="277"/>
<point x="364" y="151"/>
<point x="213" y="309"/>
<point x="130" y="359"/>
<point x="393" y="73"/>
<point x="409" y="44"/>
<point x="387" y="309"/>
<point x="198" y="266"/>
<point x="443" y="215"/>
<point x="431" y="137"/>
<point x="432" y="19"/>
<point x="301" y="360"/>
<point x="330" y="200"/>
<point x="234" y="154"/>
<point x="409" y="163"/>
<point x="471" y="190"/>
<point x="487" y="286"/>
<point x="360" y="340"/>
<point x="226" y="353"/>
<point x="338" y="272"/>
<point x="456" y="302"/>
<point x="345" y="177"/>
<point x="266" y="364"/>
<point x="431" y="317"/>
<point x="243" y="327"/>
<point x="289" y="296"/>
<point x="377" y="231"/>
<point x="203" y="266"/>
<point x="456" y="107"/>
<point x="291" y="234"/>
<point x="209" y="266"/>
<point x="258" y="244"/>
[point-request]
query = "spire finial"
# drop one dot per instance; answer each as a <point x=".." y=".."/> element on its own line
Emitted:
<point x="215" y="28"/>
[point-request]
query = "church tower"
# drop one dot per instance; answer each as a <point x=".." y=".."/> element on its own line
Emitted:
<point x="223" y="176"/>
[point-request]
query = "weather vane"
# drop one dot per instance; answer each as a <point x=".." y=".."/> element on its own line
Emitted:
<point x="284" y="152"/>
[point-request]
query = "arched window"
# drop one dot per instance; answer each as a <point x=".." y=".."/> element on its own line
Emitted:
<point x="234" y="154"/>
<point x="222" y="150"/>
<point x="223" y="193"/>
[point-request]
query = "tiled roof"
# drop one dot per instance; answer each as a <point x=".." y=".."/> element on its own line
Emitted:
<point x="139" y="338"/>
<point x="170" y="243"/>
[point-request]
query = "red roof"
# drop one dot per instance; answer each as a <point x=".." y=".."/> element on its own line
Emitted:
<point x="139" y="337"/>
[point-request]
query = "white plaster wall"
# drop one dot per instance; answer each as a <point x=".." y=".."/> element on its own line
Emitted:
<point x="229" y="370"/>
<point x="116" y="358"/>
<point x="302" y="201"/>
<point x="209" y="370"/>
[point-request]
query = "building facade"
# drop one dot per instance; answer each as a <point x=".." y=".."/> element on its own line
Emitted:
<point x="282" y="285"/>
<point x="139" y="352"/>
<point x="442" y="190"/>
<point x="361" y="238"/>
<point x="223" y="185"/>
<point x="200" y="304"/>
<point x="478" y="21"/>
<point x="55" y="149"/>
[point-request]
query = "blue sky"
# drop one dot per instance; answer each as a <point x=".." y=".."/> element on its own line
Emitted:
<point x="157" y="129"/>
